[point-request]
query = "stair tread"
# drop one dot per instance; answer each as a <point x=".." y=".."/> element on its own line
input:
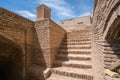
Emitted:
<point x="75" y="50"/>
<point x="76" y="42"/>
<point x="73" y="55"/>
<point x="75" y="62"/>
<point x="74" y="70"/>
<point x="78" y="39"/>
<point x="76" y="45"/>
<point x="59" y="77"/>
<point x="84" y="40"/>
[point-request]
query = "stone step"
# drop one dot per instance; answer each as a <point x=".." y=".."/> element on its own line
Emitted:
<point x="60" y="77"/>
<point x="111" y="44"/>
<point x="73" y="52"/>
<point x="109" y="60"/>
<point x="112" y="52"/>
<point x="75" y="47"/>
<point x="107" y="64"/>
<point x="112" y="49"/>
<point x="112" y="56"/>
<point x="73" y="57"/>
<point x="67" y="50"/>
<point x="74" y="64"/>
<point x="74" y="73"/>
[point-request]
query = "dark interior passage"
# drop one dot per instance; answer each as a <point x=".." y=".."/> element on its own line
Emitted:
<point x="11" y="61"/>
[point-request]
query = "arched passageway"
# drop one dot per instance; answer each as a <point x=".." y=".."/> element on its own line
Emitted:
<point x="11" y="61"/>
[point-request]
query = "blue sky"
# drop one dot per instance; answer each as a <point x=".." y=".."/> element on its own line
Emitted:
<point x="61" y="9"/>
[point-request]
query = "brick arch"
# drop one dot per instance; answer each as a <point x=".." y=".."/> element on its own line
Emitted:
<point x="11" y="60"/>
<point x="113" y="31"/>
<point x="13" y="41"/>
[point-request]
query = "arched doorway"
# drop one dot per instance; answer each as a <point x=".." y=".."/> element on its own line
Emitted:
<point x="11" y="60"/>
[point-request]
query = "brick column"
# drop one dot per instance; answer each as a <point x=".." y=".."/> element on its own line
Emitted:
<point x="49" y="35"/>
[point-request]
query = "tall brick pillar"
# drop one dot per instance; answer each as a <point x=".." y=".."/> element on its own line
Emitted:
<point x="42" y="29"/>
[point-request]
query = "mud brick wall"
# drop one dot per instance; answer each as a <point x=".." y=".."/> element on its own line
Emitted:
<point x="41" y="57"/>
<point x="104" y="11"/>
<point x="86" y="20"/>
<point x="19" y="30"/>
<point x="49" y="36"/>
<point x="57" y="34"/>
<point x="42" y="31"/>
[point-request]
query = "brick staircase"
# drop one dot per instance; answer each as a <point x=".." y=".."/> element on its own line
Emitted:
<point x="74" y="61"/>
<point x="111" y="53"/>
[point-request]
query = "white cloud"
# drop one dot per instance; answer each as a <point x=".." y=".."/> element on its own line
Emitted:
<point x="84" y="14"/>
<point x="26" y="14"/>
<point x="61" y="8"/>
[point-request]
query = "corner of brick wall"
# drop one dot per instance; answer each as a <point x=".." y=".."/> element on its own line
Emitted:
<point x="49" y="36"/>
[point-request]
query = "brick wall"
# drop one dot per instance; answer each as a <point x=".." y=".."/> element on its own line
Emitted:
<point x="57" y="34"/>
<point x="105" y="14"/>
<point x="20" y="31"/>
<point x="50" y="36"/>
<point x="75" y="21"/>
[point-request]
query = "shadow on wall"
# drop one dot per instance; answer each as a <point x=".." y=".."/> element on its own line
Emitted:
<point x="112" y="50"/>
<point x="62" y="54"/>
<point x="11" y="60"/>
<point x="36" y="70"/>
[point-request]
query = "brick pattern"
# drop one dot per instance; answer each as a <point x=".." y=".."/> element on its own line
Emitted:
<point x="63" y="57"/>
<point x="78" y="76"/>
<point x="49" y="36"/>
<point x="19" y="30"/>
<point x="43" y="39"/>
<point x="57" y="34"/>
<point x="111" y="53"/>
<point x="43" y="46"/>
<point x="105" y="23"/>
<point x="79" y="59"/>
